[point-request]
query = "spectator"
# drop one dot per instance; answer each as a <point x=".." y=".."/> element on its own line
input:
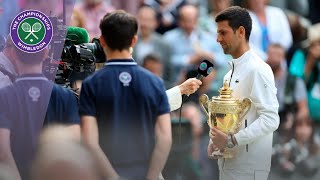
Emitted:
<point x="299" y="28"/>
<point x="305" y="64"/>
<point x="207" y="22"/>
<point x="131" y="6"/>
<point x="150" y="42"/>
<point x="88" y="13"/>
<point x="153" y="64"/>
<point x="301" y="153"/>
<point x="269" y="25"/>
<point x="167" y="12"/>
<point x="189" y="44"/>
<point x="300" y="7"/>
<point x="291" y="91"/>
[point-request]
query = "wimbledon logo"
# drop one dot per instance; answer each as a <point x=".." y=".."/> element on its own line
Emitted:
<point x="31" y="31"/>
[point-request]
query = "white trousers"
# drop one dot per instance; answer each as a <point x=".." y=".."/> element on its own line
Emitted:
<point x="238" y="175"/>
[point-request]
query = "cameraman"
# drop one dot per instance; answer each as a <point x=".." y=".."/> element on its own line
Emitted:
<point x="24" y="111"/>
<point x="124" y="109"/>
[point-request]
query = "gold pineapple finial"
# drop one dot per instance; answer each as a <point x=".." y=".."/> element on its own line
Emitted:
<point x="225" y="91"/>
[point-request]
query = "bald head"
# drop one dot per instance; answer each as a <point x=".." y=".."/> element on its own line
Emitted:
<point x="188" y="18"/>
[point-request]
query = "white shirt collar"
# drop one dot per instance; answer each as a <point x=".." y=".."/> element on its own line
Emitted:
<point x="242" y="59"/>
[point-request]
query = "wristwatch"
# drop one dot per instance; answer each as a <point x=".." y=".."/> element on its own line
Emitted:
<point x="229" y="142"/>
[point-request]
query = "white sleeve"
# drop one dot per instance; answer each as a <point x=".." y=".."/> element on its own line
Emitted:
<point x="264" y="99"/>
<point x="174" y="98"/>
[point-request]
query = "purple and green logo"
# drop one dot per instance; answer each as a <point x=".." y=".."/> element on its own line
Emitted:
<point x="31" y="31"/>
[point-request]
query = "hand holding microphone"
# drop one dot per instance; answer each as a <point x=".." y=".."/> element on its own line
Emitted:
<point x="191" y="85"/>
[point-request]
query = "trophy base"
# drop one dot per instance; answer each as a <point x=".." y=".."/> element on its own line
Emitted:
<point x="217" y="154"/>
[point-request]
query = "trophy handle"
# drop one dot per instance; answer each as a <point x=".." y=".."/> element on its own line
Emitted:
<point x="203" y="101"/>
<point x="245" y="107"/>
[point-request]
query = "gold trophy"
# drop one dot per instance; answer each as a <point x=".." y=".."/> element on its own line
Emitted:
<point x="226" y="113"/>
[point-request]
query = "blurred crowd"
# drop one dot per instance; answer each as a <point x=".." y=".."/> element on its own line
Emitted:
<point x="174" y="37"/>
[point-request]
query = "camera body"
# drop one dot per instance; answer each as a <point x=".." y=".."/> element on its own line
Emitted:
<point x="77" y="60"/>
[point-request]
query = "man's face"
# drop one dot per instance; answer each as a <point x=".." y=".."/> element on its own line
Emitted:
<point x="147" y="21"/>
<point x="275" y="56"/>
<point x="154" y="67"/>
<point x="227" y="37"/>
<point x="189" y="19"/>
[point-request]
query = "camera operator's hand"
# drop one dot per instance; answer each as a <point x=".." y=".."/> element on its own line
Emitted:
<point x="190" y="86"/>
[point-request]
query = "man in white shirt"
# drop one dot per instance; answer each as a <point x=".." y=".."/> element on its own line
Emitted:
<point x="252" y="78"/>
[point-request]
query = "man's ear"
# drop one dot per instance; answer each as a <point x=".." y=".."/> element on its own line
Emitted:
<point x="242" y="32"/>
<point x="102" y="42"/>
<point x="134" y="41"/>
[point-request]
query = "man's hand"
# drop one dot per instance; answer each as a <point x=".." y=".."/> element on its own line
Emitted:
<point x="190" y="86"/>
<point x="218" y="138"/>
<point x="213" y="151"/>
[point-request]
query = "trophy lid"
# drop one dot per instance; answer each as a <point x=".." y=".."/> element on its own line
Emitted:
<point x="225" y="94"/>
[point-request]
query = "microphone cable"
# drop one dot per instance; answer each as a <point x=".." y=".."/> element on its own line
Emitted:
<point x="180" y="168"/>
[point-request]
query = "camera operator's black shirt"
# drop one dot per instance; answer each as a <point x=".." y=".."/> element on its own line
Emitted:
<point x="126" y="100"/>
<point x="23" y="110"/>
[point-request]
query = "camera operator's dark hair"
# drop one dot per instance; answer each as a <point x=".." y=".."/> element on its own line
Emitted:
<point x="236" y="17"/>
<point x="26" y="57"/>
<point x="118" y="28"/>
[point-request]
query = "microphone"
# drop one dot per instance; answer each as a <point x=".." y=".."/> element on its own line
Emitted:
<point x="77" y="35"/>
<point x="204" y="69"/>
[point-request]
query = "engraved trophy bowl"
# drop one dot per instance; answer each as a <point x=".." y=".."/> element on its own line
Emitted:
<point x="226" y="113"/>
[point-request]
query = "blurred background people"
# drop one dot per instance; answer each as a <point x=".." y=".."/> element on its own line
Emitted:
<point x="301" y="153"/>
<point x="8" y="10"/>
<point x="305" y="64"/>
<point x="8" y="70"/>
<point x="190" y="45"/>
<point x="61" y="156"/>
<point x="207" y="22"/>
<point x="153" y="64"/>
<point x="129" y="6"/>
<point x="167" y="13"/>
<point x="88" y="13"/>
<point x="150" y="42"/>
<point x="291" y="91"/>
<point x="269" y="25"/>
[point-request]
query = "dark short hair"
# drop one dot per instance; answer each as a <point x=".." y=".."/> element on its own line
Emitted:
<point x="236" y="17"/>
<point x="118" y="28"/>
<point x="151" y="58"/>
<point x="30" y="58"/>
